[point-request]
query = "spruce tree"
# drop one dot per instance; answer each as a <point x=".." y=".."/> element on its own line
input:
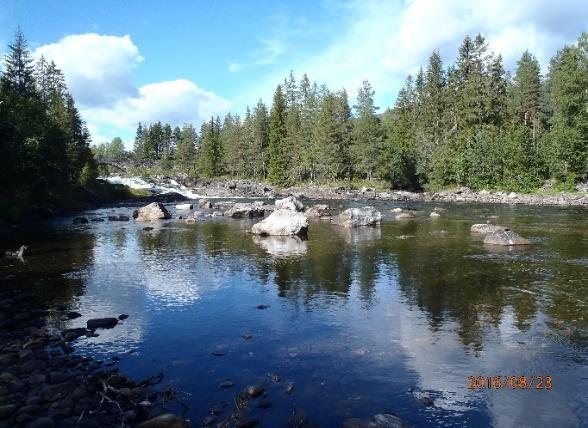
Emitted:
<point x="367" y="135"/>
<point x="278" y="154"/>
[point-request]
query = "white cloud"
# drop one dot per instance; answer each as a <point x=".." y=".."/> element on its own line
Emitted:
<point x="98" y="68"/>
<point x="174" y="102"/>
<point x="99" y="72"/>
<point x="385" y="41"/>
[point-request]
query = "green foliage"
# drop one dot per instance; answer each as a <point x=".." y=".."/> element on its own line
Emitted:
<point x="44" y="143"/>
<point x="278" y="155"/>
<point x="211" y="160"/>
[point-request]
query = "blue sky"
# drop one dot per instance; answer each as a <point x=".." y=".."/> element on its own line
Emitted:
<point x="181" y="61"/>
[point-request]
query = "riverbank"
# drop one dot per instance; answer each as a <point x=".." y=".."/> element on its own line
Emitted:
<point x="44" y="383"/>
<point x="194" y="189"/>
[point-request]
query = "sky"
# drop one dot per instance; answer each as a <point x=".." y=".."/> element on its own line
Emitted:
<point x="183" y="61"/>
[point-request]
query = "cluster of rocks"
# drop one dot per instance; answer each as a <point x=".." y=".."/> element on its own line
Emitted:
<point x="44" y="384"/>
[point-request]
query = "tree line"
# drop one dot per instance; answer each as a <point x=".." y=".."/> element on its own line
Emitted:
<point x="469" y="124"/>
<point x="44" y="143"/>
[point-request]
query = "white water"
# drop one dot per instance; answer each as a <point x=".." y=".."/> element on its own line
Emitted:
<point x="139" y="183"/>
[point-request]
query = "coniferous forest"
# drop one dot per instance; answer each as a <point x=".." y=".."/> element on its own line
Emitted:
<point x="44" y="143"/>
<point x="470" y="123"/>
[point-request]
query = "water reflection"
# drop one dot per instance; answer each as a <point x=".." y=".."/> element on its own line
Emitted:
<point x="353" y="313"/>
<point x="282" y="246"/>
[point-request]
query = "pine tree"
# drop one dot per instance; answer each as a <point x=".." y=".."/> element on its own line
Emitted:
<point x="138" y="148"/>
<point x="527" y="94"/>
<point x="278" y="155"/>
<point x="211" y="160"/>
<point x="367" y="134"/>
<point x="258" y="151"/>
<point x="186" y="147"/>
<point x="18" y="73"/>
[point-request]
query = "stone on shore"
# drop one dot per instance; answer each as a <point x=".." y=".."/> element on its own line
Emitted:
<point x="244" y="210"/>
<point x="356" y="217"/>
<point x="282" y="222"/>
<point x="485" y="228"/>
<point x="153" y="211"/>
<point x="289" y="203"/>
<point x="101" y="323"/>
<point x="404" y="215"/>
<point x="505" y="237"/>
<point x="317" y="211"/>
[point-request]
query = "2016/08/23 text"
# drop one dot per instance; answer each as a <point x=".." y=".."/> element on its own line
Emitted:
<point x="513" y="382"/>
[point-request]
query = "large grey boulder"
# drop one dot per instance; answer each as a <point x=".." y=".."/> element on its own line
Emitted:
<point x="289" y="203"/>
<point x="505" y="237"/>
<point x="355" y="217"/>
<point x="317" y="211"/>
<point x="153" y="211"/>
<point x="244" y="210"/>
<point x="485" y="228"/>
<point x="282" y="222"/>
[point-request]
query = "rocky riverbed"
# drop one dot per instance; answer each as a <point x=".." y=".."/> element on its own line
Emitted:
<point x="44" y="383"/>
<point x="194" y="189"/>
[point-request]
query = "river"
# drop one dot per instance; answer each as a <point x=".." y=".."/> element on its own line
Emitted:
<point x="388" y="319"/>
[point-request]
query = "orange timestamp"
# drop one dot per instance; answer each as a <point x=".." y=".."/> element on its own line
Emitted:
<point x="512" y="382"/>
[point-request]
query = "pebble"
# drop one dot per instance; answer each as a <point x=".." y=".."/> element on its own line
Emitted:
<point x="123" y="317"/>
<point x="247" y="336"/>
<point x="289" y="388"/>
<point x="262" y="306"/>
<point x="73" y="315"/>
<point x="226" y="384"/>
<point x="254" y="391"/>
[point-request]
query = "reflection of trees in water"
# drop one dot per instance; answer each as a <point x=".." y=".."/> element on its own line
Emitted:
<point x="55" y="269"/>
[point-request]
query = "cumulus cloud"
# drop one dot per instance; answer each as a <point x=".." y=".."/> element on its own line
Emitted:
<point x="175" y="102"/>
<point x="385" y="41"/>
<point x="99" y="72"/>
<point x="98" y="68"/>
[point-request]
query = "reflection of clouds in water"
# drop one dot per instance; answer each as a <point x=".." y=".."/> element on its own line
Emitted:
<point x="175" y="285"/>
<point x="356" y="235"/>
<point x="510" y="352"/>
<point x="282" y="246"/>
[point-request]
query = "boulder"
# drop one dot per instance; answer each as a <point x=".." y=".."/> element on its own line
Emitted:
<point x="320" y="210"/>
<point x="204" y="203"/>
<point x="484" y="228"/>
<point x="355" y="217"/>
<point x="153" y="211"/>
<point x="184" y="206"/>
<point x="289" y="203"/>
<point x="244" y="210"/>
<point x="505" y="237"/>
<point x="435" y="214"/>
<point x="282" y="222"/>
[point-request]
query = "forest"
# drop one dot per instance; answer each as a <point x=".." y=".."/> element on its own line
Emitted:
<point x="45" y="155"/>
<point x="471" y="124"/>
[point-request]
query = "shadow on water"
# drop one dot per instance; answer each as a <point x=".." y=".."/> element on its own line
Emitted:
<point x="362" y="320"/>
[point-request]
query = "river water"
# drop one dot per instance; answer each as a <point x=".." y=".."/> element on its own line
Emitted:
<point x="389" y="319"/>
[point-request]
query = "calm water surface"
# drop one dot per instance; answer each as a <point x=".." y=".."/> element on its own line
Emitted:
<point x="363" y="321"/>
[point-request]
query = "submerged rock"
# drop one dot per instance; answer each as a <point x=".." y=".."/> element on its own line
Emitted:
<point x="289" y="203"/>
<point x="254" y="391"/>
<point x="484" y="228"/>
<point x="80" y="220"/>
<point x="355" y="217"/>
<point x="320" y="210"/>
<point x="101" y="323"/>
<point x="282" y="222"/>
<point x="505" y="237"/>
<point x="244" y="210"/>
<point x="404" y="215"/>
<point x="204" y="203"/>
<point x="381" y="420"/>
<point x="153" y="211"/>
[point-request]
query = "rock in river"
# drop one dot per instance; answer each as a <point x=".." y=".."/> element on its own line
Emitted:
<point x="320" y="210"/>
<point x="355" y="217"/>
<point x="153" y="211"/>
<point x="243" y="210"/>
<point x="289" y="203"/>
<point x="505" y="237"/>
<point x="282" y="222"/>
<point x="101" y="323"/>
<point x="484" y="228"/>
<point x="184" y="206"/>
